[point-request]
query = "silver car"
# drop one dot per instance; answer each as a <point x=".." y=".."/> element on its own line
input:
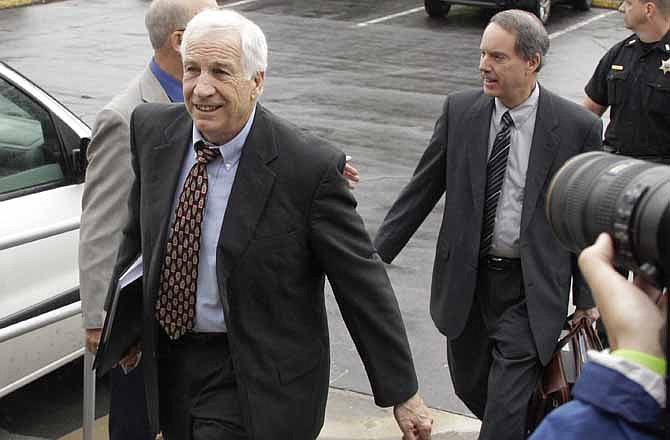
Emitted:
<point x="42" y="150"/>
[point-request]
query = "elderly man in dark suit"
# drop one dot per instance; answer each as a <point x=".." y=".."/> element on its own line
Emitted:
<point x="501" y="281"/>
<point x="105" y="198"/>
<point x="239" y="216"/>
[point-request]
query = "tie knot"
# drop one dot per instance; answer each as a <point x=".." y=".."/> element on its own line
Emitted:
<point x="206" y="152"/>
<point x="507" y="120"/>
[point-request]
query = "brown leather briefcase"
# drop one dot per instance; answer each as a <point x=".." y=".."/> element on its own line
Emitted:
<point x="562" y="371"/>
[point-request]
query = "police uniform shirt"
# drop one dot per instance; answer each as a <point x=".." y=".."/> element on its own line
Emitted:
<point x="633" y="79"/>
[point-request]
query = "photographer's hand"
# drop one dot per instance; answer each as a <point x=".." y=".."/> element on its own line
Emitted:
<point x="631" y="315"/>
<point x="591" y="314"/>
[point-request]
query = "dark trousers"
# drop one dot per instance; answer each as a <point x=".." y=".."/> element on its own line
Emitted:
<point x="128" y="418"/>
<point x="198" y="392"/>
<point x="494" y="363"/>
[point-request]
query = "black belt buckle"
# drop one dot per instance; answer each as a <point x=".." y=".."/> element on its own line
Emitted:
<point x="495" y="263"/>
<point x="201" y="338"/>
<point x="207" y="337"/>
<point x="501" y="263"/>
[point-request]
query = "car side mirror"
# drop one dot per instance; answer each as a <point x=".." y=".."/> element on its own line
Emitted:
<point x="79" y="160"/>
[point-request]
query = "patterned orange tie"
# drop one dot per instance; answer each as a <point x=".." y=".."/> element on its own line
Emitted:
<point x="175" y="308"/>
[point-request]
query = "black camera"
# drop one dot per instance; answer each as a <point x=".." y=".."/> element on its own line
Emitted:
<point x="625" y="197"/>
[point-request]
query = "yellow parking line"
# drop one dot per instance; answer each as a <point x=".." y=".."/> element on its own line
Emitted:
<point x="14" y="3"/>
<point x="608" y="4"/>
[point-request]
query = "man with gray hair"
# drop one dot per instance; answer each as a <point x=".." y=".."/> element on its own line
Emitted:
<point x="104" y="202"/>
<point x="239" y="216"/>
<point x="108" y="179"/>
<point x="501" y="280"/>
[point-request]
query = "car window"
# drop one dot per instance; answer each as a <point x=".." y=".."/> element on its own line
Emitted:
<point x="30" y="153"/>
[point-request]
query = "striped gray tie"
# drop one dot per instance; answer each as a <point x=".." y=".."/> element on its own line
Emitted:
<point x="495" y="174"/>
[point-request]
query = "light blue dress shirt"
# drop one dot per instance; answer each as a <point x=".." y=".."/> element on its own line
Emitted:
<point x="507" y="227"/>
<point x="170" y="84"/>
<point x="220" y="176"/>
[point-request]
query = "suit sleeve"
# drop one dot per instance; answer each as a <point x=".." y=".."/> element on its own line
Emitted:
<point x="596" y="88"/>
<point x="581" y="294"/>
<point x="362" y="289"/>
<point x="104" y="213"/>
<point x="418" y="198"/>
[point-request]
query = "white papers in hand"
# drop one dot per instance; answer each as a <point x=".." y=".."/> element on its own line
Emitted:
<point x="133" y="272"/>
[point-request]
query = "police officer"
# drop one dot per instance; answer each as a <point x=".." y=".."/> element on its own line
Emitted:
<point x="633" y="79"/>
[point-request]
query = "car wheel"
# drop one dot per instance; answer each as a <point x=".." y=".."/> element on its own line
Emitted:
<point x="437" y="8"/>
<point x="543" y="10"/>
<point x="581" y="5"/>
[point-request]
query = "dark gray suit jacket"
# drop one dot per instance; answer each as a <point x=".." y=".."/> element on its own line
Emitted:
<point x="290" y="221"/>
<point x="455" y="161"/>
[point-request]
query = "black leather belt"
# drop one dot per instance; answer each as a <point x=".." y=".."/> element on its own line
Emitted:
<point x="501" y="263"/>
<point x="166" y="346"/>
<point x="202" y="338"/>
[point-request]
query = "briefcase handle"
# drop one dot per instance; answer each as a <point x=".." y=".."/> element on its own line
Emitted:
<point x="583" y="337"/>
<point x="582" y="324"/>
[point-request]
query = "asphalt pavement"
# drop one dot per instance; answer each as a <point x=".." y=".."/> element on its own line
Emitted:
<point x="369" y="76"/>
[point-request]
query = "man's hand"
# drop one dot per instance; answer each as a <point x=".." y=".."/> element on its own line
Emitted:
<point x="591" y="314"/>
<point x="351" y="174"/>
<point x="132" y="358"/>
<point x="93" y="339"/>
<point x="414" y="419"/>
<point x="632" y="315"/>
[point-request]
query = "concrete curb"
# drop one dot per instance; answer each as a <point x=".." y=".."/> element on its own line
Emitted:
<point x="354" y="416"/>
<point x="4" y="435"/>
<point x="606" y="4"/>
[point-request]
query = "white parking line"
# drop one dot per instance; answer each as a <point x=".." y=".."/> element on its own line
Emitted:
<point x="580" y="24"/>
<point x="389" y="17"/>
<point x="421" y="8"/>
<point x="240" y="3"/>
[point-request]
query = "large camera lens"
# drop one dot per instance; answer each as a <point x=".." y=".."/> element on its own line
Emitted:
<point x="628" y="198"/>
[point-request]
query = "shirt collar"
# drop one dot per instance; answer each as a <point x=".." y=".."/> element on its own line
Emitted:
<point x="231" y="150"/>
<point x="170" y="84"/>
<point x="521" y="112"/>
<point x="663" y="44"/>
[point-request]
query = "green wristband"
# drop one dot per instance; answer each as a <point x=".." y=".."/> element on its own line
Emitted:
<point x="655" y="364"/>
